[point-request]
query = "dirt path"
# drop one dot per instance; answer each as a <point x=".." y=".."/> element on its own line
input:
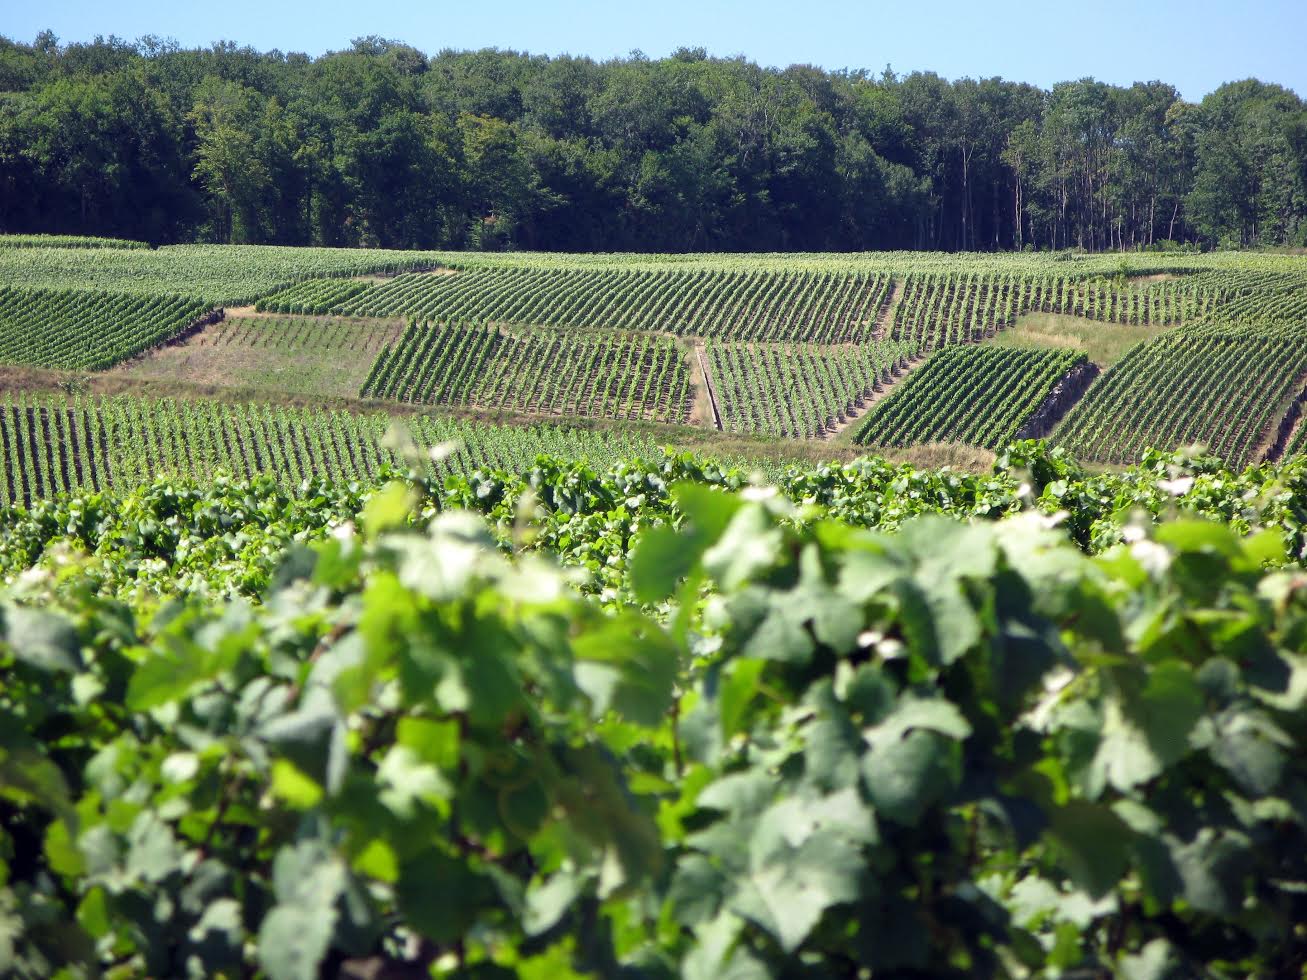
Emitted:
<point x="885" y="389"/>
<point x="1291" y="418"/>
<point x="892" y="299"/>
<point x="707" y="384"/>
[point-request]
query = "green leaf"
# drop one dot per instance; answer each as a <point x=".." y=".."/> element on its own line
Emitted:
<point x="660" y="558"/>
<point x="293" y="786"/>
<point x="1148" y="730"/>
<point x="388" y="508"/>
<point x="153" y="853"/>
<point x="629" y="665"/>
<point x="718" y="954"/>
<point x="1213" y="867"/>
<point x="296" y="934"/>
<point x="1251" y="749"/>
<point x="913" y="712"/>
<point x="61" y="851"/>
<point x="41" y="639"/>
<point x="547" y="903"/>
<point x="1156" y="961"/>
<point x="738" y="687"/>
<point x="431" y="740"/>
<point x="439" y="896"/>
<point x="906" y="776"/>
<point x="750" y="544"/>
<point x="697" y="890"/>
<point x="789" y="891"/>
<point x="1094" y="843"/>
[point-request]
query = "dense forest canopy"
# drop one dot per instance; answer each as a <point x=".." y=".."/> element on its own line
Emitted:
<point x="383" y="145"/>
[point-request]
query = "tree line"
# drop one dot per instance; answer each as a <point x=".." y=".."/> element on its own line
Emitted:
<point x="381" y="144"/>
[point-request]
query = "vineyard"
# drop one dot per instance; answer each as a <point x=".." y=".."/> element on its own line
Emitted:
<point x="296" y="685"/>
<point x="959" y="307"/>
<point x="976" y="395"/>
<point x="67" y="241"/>
<point x="1218" y="385"/>
<point x="535" y="371"/>
<point x="86" y="331"/>
<point x="765" y="306"/>
<point x="798" y="391"/>
<point x="222" y="275"/>
<point x="353" y="732"/>
<point x="51" y="444"/>
<point x="787" y="347"/>
<point x="311" y="337"/>
<point x="312" y="296"/>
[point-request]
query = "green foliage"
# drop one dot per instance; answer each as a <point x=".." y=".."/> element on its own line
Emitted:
<point x="51" y="445"/>
<point x="955" y="750"/>
<point x="798" y="390"/>
<point x="830" y="305"/>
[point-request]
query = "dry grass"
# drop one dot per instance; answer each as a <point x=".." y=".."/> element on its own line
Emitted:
<point x="1103" y="343"/>
<point x="208" y="361"/>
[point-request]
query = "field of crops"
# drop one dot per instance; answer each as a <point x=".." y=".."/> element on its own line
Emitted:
<point x="960" y="307"/>
<point x="302" y="691"/>
<point x="66" y="241"/>
<point x="536" y="371"/>
<point x="1218" y="385"/>
<point x="221" y="275"/>
<point x="51" y="444"/>
<point x="790" y="347"/>
<point x="975" y="395"/>
<point x="88" y="331"/>
<point x="767" y="306"/>
<point x="312" y="337"/>
<point x="798" y="391"/>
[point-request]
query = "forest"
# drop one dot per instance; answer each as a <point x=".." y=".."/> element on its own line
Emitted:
<point x="382" y="145"/>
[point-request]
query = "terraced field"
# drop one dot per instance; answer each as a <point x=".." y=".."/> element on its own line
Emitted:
<point x="829" y="307"/>
<point x="799" y="391"/>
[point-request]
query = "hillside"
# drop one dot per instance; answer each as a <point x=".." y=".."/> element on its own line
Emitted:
<point x="760" y="354"/>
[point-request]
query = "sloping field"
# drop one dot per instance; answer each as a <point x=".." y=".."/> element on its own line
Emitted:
<point x="969" y="394"/>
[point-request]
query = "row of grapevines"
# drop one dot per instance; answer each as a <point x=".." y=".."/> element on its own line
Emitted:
<point x="78" y="330"/>
<point x="960" y="307"/>
<point x="969" y="394"/>
<point x="1218" y="385"/>
<point x="67" y="241"/>
<point x="798" y="391"/>
<point x="52" y="444"/>
<point x="600" y="374"/>
<point x="814" y="307"/>
<point x="223" y="275"/>
<point x="335" y="334"/>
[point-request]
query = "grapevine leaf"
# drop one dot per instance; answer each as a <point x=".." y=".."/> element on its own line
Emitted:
<point x="297" y="933"/>
<point x="905" y="776"/>
<point x="42" y="639"/>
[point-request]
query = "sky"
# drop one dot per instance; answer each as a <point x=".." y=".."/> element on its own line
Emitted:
<point x="1195" y="45"/>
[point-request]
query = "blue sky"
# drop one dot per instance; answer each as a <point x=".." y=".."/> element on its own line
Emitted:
<point x="1196" y="45"/>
